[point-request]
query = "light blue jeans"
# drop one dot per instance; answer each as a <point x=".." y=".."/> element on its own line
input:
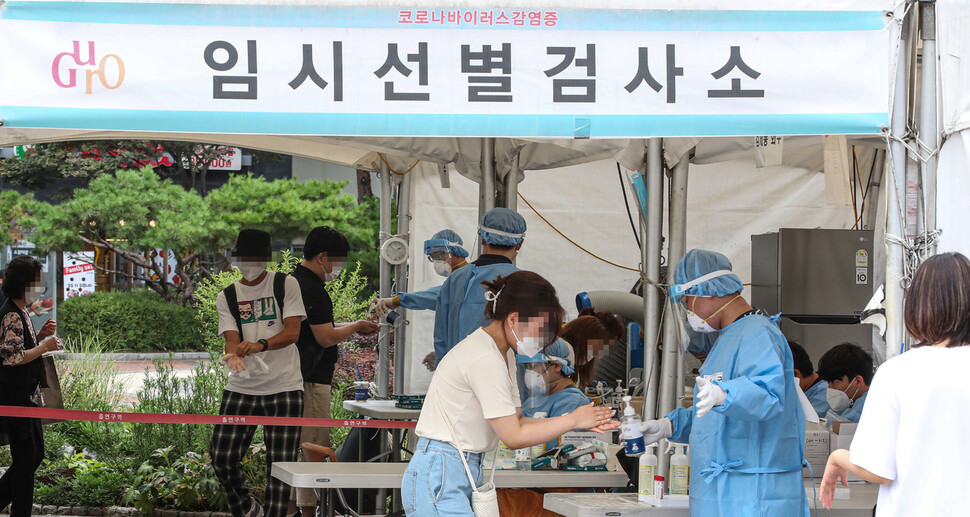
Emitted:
<point x="435" y="483"/>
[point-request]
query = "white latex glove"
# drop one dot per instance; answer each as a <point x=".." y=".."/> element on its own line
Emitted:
<point x="656" y="430"/>
<point x="708" y="396"/>
<point x="381" y="306"/>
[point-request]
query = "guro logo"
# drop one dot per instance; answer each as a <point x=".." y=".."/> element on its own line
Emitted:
<point x="101" y="71"/>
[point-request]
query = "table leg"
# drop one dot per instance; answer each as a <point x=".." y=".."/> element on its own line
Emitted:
<point x="360" y="455"/>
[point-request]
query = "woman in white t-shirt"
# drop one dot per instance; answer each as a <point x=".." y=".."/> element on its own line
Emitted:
<point x="473" y="400"/>
<point x="911" y="438"/>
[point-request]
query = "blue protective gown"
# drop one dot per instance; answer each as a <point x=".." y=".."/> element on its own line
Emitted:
<point x="421" y="300"/>
<point x="746" y="454"/>
<point x="460" y="307"/>
<point x="559" y="403"/>
<point x="816" y="395"/>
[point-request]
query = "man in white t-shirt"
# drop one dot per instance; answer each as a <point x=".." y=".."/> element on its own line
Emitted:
<point x="259" y="317"/>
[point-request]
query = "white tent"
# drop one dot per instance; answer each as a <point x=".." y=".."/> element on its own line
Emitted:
<point x="828" y="67"/>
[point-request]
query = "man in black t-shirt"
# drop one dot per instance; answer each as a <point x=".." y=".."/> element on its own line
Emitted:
<point x="324" y="254"/>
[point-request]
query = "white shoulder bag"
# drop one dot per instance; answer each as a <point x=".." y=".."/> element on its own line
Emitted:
<point x="484" y="498"/>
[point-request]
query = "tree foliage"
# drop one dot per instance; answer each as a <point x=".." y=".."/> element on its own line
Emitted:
<point x="44" y="163"/>
<point x="134" y="211"/>
<point x="14" y="208"/>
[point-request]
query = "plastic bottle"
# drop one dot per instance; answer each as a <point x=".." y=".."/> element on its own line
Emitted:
<point x="679" y="469"/>
<point x="658" y="487"/>
<point x="538" y="450"/>
<point x="632" y="437"/>
<point x="648" y="469"/>
<point x="523" y="458"/>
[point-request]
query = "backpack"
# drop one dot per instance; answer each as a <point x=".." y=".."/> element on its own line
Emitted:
<point x="279" y="292"/>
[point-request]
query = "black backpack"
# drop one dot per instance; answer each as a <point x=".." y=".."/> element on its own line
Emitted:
<point x="279" y="292"/>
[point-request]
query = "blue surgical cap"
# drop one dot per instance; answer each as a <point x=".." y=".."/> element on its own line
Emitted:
<point x="502" y="227"/>
<point x="446" y="240"/>
<point x="558" y="352"/>
<point x="697" y="263"/>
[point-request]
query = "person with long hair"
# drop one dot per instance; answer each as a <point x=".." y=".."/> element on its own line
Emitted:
<point x="591" y="335"/>
<point x="473" y="399"/>
<point x="911" y="438"/>
<point x="22" y="374"/>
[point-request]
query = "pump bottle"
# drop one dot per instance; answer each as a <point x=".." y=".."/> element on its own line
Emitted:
<point x="632" y="436"/>
<point x="679" y="475"/>
<point x="648" y="469"/>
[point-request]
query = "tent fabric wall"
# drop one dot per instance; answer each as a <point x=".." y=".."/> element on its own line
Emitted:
<point x="953" y="167"/>
<point x="953" y="192"/>
<point x="727" y="203"/>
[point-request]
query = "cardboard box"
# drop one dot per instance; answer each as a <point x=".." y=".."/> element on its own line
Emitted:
<point x="843" y="432"/>
<point x="818" y="441"/>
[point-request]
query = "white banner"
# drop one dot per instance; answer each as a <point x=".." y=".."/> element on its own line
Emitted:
<point x="458" y="72"/>
<point x="79" y="274"/>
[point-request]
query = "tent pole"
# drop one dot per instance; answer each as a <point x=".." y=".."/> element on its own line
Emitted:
<point x="650" y="268"/>
<point x="384" y="342"/>
<point x="512" y="185"/>
<point x="672" y="363"/>
<point x="895" y="216"/>
<point x="928" y="132"/>
<point x="401" y="279"/>
<point x="486" y="193"/>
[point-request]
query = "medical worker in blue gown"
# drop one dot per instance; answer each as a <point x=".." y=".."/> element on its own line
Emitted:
<point x="444" y="250"/>
<point x="460" y="307"/>
<point x="547" y="382"/>
<point x="746" y="430"/>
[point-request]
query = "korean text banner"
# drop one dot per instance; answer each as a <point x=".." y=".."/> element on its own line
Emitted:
<point x="319" y="70"/>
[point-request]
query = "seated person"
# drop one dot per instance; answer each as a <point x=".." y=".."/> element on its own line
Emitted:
<point x="848" y="370"/>
<point x="549" y="391"/>
<point x="591" y="335"/>
<point x="548" y="387"/>
<point x="812" y="385"/>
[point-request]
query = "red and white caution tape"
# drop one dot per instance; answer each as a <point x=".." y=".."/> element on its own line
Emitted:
<point x="168" y="418"/>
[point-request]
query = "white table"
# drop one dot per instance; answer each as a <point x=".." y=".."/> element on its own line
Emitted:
<point x="381" y="409"/>
<point x="862" y="499"/>
<point x="389" y="475"/>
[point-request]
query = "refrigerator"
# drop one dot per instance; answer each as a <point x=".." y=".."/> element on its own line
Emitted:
<point x="820" y="280"/>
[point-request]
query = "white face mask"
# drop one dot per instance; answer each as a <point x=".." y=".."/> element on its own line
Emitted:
<point x="251" y="270"/>
<point x="528" y="347"/>
<point x="33" y="293"/>
<point x="535" y="383"/>
<point x="839" y="400"/>
<point x="699" y="324"/>
<point x="442" y="268"/>
<point x="334" y="273"/>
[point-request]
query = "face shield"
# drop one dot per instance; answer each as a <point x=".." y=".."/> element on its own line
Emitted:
<point x="679" y="312"/>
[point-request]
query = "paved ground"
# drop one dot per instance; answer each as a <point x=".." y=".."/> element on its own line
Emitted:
<point x="132" y="374"/>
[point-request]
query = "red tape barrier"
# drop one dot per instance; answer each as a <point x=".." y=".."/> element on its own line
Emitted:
<point x="167" y="418"/>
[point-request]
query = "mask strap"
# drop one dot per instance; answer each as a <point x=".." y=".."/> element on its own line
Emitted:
<point x="501" y="233"/>
<point x="682" y="288"/>
<point x="722" y="307"/>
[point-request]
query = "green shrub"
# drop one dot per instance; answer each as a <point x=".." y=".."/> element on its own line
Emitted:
<point x="77" y="480"/>
<point x="139" y="321"/>
<point x="189" y="482"/>
<point x="165" y="392"/>
<point x="89" y="382"/>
